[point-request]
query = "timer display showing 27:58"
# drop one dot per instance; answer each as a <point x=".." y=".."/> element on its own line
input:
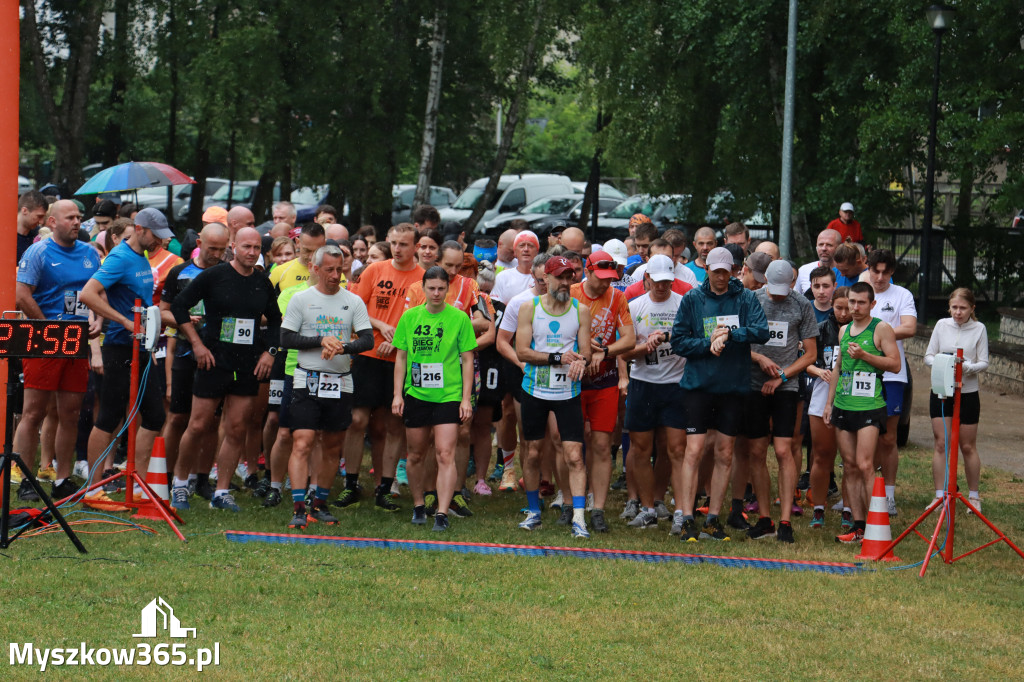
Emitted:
<point x="43" y="339"/>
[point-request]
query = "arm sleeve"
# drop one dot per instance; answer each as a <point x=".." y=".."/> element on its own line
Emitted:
<point x="190" y="296"/>
<point x="687" y="337"/>
<point x="273" y="314"/>
<point x="293" y="339"/>
<point x="756" y="328"/>
<point x="363" y="342"/>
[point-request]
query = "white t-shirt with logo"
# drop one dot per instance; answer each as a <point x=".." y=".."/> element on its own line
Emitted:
<point x="661" y="366"/>
<point x="508" y="283"/>
<point x="890" y="305"/>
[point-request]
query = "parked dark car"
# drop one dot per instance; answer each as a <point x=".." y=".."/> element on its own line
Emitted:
<point x="546" y="213"/>
<point x="156" y="197"/>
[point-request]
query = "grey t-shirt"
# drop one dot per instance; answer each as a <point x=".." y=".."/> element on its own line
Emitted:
<point x="790" y="321"/>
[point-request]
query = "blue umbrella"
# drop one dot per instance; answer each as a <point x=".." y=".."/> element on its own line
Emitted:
<point x="134" y="175"/>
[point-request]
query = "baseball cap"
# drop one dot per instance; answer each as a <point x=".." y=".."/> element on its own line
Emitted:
<point x="106" y="209"/>
<point x="603" y="265"/>
<point x="758" y="262"/>
<point x="526" y="235"/>
<point x="660" y="268"/>
<point x="719" y="259"/>
<point x="780" y="278"/>
<point x="295" y="232"/>
<point x="847" y="206"/>
<point x="616" y="248"/>
<point x="153" y="220"/>
<point x="557" y="266"/>
<point x="737" y="254"/>
<point x="215" y="214"/>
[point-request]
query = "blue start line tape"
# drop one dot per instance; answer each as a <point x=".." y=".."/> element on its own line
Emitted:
<point x="837" y="568"/>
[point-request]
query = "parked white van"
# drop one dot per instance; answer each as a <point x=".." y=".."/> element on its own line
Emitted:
<point x="513" y="193"/>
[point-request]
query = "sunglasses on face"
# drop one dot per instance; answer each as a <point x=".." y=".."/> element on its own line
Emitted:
<point x="607" y="265"/>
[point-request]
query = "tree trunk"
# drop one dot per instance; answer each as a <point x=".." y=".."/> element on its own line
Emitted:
<point x="433" y="105"/>
<point x="67" y="119"/>
<point x="114" y="140"/>
<point x="589" y="209"/>
<point x="526" y="71"/>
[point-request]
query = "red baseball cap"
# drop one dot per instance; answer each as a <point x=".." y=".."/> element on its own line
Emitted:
<point x="557" y="266"/>
<point x="603" y="265"/>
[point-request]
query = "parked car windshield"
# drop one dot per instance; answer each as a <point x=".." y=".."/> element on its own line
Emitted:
<point x="630" y="207"/>
<point x="472" y="195"/>
<point x="308" y="195"/>
<point x="242" y="193"/>
<point x="551" y="205"/>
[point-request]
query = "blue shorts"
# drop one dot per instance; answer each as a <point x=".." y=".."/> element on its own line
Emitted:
<point x="650" y="405"/>
<point x="893" y="397"/>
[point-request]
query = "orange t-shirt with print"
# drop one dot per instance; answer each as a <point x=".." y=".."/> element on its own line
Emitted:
<point x="383" y="288"/>
<point x="608" y="313"/>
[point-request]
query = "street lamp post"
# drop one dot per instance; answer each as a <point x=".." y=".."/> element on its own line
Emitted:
<point x="939" y="18"/>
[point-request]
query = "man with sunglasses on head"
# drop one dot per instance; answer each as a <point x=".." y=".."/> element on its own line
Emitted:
<point x="611" y="327"/>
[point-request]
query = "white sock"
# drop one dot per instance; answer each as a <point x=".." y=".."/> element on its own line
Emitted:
<point x="577" y="516"/>
<point x="646" y="509"/>
<point x="61" y="480"/>
<point x="939" y="493"/>
<point x="973" y="495"/>
<point x="180" y="483"/>
<point x="847" y="509"/>
<point x="192" y="477"/>
<point x="890" y="492"/>
<point x="219" y="493"/>
<point x="276" y="485"/>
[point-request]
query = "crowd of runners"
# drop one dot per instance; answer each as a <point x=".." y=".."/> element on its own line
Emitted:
<point x="287" y="355"/>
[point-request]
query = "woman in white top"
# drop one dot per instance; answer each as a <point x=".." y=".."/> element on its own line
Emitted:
<point x="961" y="330"/>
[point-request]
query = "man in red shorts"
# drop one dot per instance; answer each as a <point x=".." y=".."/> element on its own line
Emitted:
<point x="612" y="334"/>
<point x="50" y="276"/>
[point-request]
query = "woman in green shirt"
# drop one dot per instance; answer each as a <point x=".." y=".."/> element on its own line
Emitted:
<point x="434" y="368"/>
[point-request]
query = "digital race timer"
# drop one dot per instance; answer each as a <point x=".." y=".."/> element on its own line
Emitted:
<point x="44" y="339"/>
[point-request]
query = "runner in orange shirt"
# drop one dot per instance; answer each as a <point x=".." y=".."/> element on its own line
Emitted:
<point x="383" y="286"/>
<point x="612" y="334"/>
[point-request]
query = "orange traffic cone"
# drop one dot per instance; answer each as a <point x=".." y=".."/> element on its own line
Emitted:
<point x="156" y="479"/>
<point x="877" y="535"/>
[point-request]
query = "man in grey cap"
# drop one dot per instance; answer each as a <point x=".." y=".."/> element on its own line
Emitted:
<point x="714" y="328"/>
<point x="124" y="276"/>
<point x="771" y="403"/>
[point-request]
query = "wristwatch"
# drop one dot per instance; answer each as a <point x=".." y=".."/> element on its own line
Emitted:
<point x="554" y="358"/>
<point x="273" y="351"/>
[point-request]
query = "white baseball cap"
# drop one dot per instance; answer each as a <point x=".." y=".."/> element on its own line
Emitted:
<point x="660" y="268"/>
<point x="616" y="248"/>
<point x="847" y="206"/>
<point x="719" y="258"/>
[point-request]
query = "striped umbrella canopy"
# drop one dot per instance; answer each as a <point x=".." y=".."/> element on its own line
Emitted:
<point x="134" y="175"/>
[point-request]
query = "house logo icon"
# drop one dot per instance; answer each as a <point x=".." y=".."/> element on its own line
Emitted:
<point x="159" y="616"/>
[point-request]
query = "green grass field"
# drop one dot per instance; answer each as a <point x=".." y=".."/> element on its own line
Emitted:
<point x="313" y="612"/>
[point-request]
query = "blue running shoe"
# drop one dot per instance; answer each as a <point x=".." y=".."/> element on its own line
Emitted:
<point x="499" y="469"/>
<point x="401" y="478"/>
<point x="531" y="522"/>
<point x="179" y="499"/>
<point x="225" y="502"/>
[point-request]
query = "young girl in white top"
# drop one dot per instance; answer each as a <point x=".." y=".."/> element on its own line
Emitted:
<point x="961" y="330"/>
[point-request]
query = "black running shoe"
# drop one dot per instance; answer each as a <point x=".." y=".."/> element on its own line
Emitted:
<point x="347" y="498"/>
<point x="565" y="518"/>
<point x="689" y="533"/>
<point x="713" y="531"/>
<point x="26" y="493"/>
<point x="384" y="503"/>
<point x="620" y="482"/>
<point x="805" y="481"/>
<point x="597" y="521"/>
<point x="204" y="489"/>
<point x="262" y="488"/>
<point x="833" y="488"/>
<point x="65" y="489"/>
<point x="273" y="498"/>
<point x="430" y="503"/>
<point x="298" y="520"/>
<point x="251" y="481"/>
<point x="112" y="486"/>
<point x="785" y="533"/>
<point x="321" y="515"/>
<point x="737" y="521"/>
<point x="764" y="528"/>
<point x="419" y="516"/>
<point x="459" y="507"/>
<point x="440" y="523"/>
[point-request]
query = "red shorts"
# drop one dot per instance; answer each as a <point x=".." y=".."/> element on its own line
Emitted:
<point x="601" y="408"/>
<point x="56" y="374"/>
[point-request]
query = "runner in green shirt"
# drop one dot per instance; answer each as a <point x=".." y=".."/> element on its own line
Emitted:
<point x="434" y="386"/>
<point x="867" y="348"/>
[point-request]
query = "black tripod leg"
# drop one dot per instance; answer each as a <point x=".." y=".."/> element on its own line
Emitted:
<point x="5" y="512"/>
<point x="46" y="500"/>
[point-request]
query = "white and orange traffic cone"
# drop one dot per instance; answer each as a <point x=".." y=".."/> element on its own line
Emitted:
<point x="156" y="479"/>
<point x="877" y="534"/>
